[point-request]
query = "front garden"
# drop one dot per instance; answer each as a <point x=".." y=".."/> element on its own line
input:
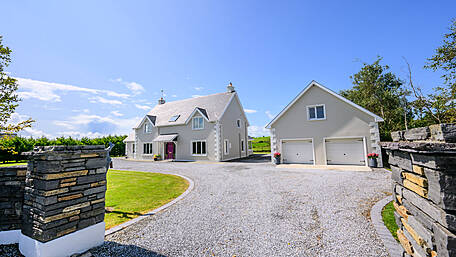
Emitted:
<point x="133" y="193"/>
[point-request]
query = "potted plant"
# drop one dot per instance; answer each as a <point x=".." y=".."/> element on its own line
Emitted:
<point x="372" y="159"/>
<point x="157" y="157"/>
<point x="277" y="158"/>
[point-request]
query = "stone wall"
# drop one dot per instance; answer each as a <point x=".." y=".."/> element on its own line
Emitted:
<point x="423" y="164"/>
<point x="64" y="191"/>
<point x="12" y="182"/>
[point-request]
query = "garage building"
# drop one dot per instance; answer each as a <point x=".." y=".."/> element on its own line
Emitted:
<point x="321" y="127"/>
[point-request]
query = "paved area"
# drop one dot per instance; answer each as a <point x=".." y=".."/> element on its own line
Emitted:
<point x="256" y="209"/>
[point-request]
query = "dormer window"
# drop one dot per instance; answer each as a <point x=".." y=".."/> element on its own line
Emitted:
<point x="198" y="123"/>
<point x="147" y="128"/>
<point x="316" y="112"/>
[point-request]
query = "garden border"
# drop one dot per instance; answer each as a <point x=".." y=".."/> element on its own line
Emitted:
<point x="391" y="245"/>
<point x="119" y="227"/>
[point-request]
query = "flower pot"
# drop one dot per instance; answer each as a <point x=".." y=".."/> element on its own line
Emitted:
<point x="277" y="160"/>
<point x="373" y="162"/>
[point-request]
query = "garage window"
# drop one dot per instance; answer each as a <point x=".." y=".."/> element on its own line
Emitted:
<point x="316" y="112"/>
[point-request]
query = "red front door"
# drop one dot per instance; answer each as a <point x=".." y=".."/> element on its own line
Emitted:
<point x="170" y="150"/>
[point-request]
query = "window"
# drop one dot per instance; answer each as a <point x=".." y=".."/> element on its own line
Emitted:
<point x="242" y="145"/>
<point x="147" y="128"/>
<point x="198" y="123"/>
<point x="316" y="112"/>
<point x="226" y="147"/>
<point x="133" y="148"/>
<point x="238" y="123"/>
<point x="199" y="148"/>
<point x="148" y="148"/>
<point x="174" y="118"/>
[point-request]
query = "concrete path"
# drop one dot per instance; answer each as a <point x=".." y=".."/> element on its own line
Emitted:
<point x="256" y="209"/>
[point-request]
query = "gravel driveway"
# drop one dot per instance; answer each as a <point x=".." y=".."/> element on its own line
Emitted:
<point x="255" y="209"/>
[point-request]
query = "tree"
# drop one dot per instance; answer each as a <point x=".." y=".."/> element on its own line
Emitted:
<point x="445" y="59"/>
<point x="439" y="107"/>
<point x="381" y="92"/>
<point x="8" y="97"/>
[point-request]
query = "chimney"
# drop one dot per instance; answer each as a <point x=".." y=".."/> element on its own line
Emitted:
<point x="230" y="88"/>
<point x="161" y="100"/>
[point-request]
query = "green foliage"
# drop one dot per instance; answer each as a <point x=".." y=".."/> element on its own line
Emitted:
<point x="389" y="220"/>
<point x="445" y="59"/>
<point x="381" y="92"/>
<point x="8" y="96"/>
<point x="11" y="148"/>
<point x="261" y="144"/>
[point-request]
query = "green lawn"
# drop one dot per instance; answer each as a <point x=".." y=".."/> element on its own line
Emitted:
<point x="388" y="219"/>
<point x="261" y="145"/>
<point x="12" y="163"/>
<point x="132" y="193"/>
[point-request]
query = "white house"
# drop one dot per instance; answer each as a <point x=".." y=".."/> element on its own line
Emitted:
<point x="323" y="128"/>
<point x="212" y="127"/>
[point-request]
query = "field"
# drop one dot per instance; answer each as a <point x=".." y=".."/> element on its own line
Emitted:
<point x="261" y="145"/>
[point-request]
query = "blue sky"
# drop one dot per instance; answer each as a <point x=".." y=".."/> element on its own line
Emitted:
<point x="89" y="68"/>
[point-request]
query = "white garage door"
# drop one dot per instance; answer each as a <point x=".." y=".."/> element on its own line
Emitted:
<point x="297" y="151"/>
<point x="345" y="151"/>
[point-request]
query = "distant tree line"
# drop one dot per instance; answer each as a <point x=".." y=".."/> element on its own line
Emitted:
<point x="11" y="148"/>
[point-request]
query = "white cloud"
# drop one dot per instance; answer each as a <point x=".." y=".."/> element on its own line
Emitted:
<point x="134" y="87"/>
<point x="257" y="131"/>
<point x="270" y="115"/>
<point x="142" y="107"/>
<point x="77" y="134"/>
<point x="47" y="91"/>
<point x="194" y="96"/>
<point x="174" y="96"/>
<point x="250" y="111"/>
<point x="99" y="99"/>
<point x="35" y="133"/>
<point x="116" y="113"/>
<point x="198" y="88"/>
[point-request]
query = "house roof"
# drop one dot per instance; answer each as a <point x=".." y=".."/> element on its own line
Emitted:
<point x="211" y="106"/>
<point x="314" y="83"/>
<point x="130" y="138"/>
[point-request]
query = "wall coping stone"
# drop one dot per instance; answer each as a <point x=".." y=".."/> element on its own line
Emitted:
<point x="421" y="147"/>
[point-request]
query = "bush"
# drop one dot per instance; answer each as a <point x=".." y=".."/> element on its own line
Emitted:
<point x="11" y="148"/>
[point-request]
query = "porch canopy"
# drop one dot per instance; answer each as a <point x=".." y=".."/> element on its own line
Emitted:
<point x="166" y="138"/>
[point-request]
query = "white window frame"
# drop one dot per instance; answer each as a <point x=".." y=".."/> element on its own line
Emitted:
<point x="315" y="106"/>
<point x="238" y="123"/>
<point x="193" y="123"/>
<point x="242" y="145"/>
<point x="147" y="125"/>
<point x="226" y="147"/>
<point x="151" y="150"/>
<point x="196" y="141"/>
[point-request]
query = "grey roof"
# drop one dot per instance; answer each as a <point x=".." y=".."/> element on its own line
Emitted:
<point x="212" y="106"/>
<point x="130" y="138"/>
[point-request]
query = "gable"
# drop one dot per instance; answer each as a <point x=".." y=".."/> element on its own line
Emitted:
<point x="331" y="96"/>
<point x="234" y="108"/>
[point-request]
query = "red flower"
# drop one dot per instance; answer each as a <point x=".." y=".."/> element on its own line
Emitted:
<point x="372" y="155"/>
<point x="276" y="154"/>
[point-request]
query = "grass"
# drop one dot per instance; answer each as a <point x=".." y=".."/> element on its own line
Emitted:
<point x="132" y="193"/>
<point x="13" y="163"/>
<point x="261" y="145"/>
<point x="389" y="220"/>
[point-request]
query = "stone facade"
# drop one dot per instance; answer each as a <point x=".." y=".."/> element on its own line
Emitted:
<point x="12" y="183"/>
<point x="423" y="164"/>
<point x="64" y="190"/>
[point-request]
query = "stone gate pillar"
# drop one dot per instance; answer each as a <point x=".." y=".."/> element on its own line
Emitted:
<point x="64" y="200"/>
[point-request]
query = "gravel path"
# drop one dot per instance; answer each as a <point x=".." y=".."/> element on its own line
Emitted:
<point x="254" y="209"/>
